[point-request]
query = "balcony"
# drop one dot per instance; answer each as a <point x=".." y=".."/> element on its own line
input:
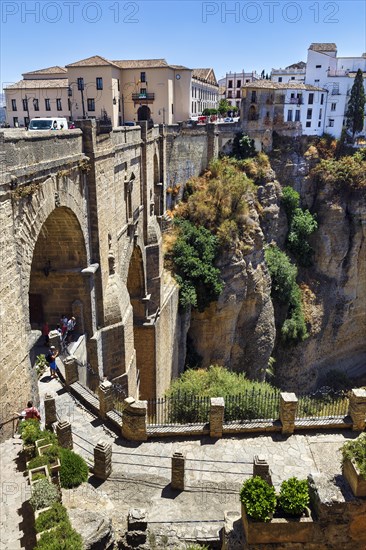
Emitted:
<point x="296" y="101"/>
<point x="145" y="98"/>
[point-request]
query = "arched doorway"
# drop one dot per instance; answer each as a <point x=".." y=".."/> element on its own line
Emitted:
<point x="252" y="113"/>
<point x="56" y="281"/>
<point x="143" y="113"/>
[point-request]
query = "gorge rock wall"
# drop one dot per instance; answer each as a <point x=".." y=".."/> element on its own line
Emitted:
<point x="334" y="287"/>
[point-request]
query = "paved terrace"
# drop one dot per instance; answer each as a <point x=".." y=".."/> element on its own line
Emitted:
<point x="215" y="470"/>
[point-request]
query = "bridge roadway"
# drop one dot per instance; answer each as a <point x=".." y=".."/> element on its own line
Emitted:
<point x="215" y="470"/>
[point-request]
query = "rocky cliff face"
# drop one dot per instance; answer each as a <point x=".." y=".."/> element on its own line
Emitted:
<point x="334" y="289"/>
<point x="239" y="332"/>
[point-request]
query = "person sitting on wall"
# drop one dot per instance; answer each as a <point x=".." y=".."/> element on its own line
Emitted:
<point x="29" y="412"/>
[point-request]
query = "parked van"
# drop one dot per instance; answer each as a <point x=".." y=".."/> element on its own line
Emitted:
<point x="48" y="124"/>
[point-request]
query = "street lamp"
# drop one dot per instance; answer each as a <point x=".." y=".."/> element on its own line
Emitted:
<point x="34" y="100"/>
<point x="80" y="85"/>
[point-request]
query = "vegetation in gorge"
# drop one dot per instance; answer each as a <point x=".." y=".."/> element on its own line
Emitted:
<point x="348" y="172"/>
<point x="260" y="398"/>
<point x="193" y="256"/>
<point x="301" y="225"/>
<point x="286" y="292"/>
<point x="213" y="216"/>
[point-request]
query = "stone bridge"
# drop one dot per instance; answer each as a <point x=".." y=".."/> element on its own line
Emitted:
<point x="80" y="235"/>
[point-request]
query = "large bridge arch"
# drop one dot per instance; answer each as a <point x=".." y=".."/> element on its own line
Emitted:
<point x="56" y="280"/>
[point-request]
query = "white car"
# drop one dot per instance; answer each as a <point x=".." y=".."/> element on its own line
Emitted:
<point x="48" y="123"/>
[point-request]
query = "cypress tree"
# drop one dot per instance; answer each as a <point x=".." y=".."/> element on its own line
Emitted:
<point x="355" y="111"/>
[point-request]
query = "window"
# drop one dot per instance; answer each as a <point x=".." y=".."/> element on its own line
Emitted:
<point x="319" y="124"/>
<point x="238" y="83"/>
<point x="309" y="113"/>
<point x="142" y="77"/>
<point x="91" y="104"/>
<point x="230" y="95"/>
<point x="316" y="80"/>
<point x="333" y="106"/>
<point x="292" y="78"/>
<point x="292" y="96"/>
<point x="331" y="122"/>
<point x="80" y="84"/>
<point x="99" y="82"/>
<point x="36" y="104"/>
<point x="58" y="104"/>
<point x="254" y="96"/>
<point x="172" y="109"/>
<point x="280" y="79"/>
<point x="118" y="87"/>
<point x="320" y="113"/>
<point x="47" y="104"/>
<point x="25" y="104"/>
<point x="14" y="105"/>
<point x="311" y="99"/>
<point x="230" y="84"/>
<point x="26" y="121"/>
<point x="289" y="115"/>
<point x="318" y="66"/>
<point x="247" y="80"/>
<point x="308" y="124"/>
<point x="238" y="104"/>
<point x="297" y="115"/>
<point x="322" y="99"/>
<point x="238" y="93"/>
<point x="15" y="120"/>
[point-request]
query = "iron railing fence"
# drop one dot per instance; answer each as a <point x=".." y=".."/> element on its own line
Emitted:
<point x="251" y="405"/>
<point x="119" y="393"/>
<point x="324" y="403"/>
<point x="184" y="409"/>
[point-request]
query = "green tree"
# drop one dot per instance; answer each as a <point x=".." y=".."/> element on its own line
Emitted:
<point x="223" y="107"/>
<point x="356" y="106"/>
<point x="303" y="224"/>
<point x="243" y="146"/>
<point x="290" y="201"/>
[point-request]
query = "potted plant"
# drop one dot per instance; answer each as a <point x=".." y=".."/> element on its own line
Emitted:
<point x="38" y="469"/>
<point x="281" y="519"/>
<point x="52" y="453"/>
<point x="354" y="464"/>
<point x="30" y="432"/>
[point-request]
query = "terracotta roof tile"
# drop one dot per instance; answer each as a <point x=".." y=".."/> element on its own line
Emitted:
<point x="50" y="70"/>
<point x="140" y="63"/>
<point x="29" y="84"/>
<point x="269" y="84"/>
<point x="323" y="47"/>
<point x="94" y="61"/>
<point x="207" y="75"/>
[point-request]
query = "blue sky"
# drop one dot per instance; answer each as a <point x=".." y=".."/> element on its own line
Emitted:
<point x="225" y="35"/>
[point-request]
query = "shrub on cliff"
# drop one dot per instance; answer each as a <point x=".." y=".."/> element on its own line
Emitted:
<point x="193" y="256"/>
<point x="286" y="291"/>
<point x="346" y="173"/>
<point x="219" y="201"/>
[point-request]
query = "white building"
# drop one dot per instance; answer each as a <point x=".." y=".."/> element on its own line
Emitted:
<point x="336" y="75"/>
<point x="232" y="84"/>
<point x="204" y="91"/>
<point x="295" y="72"/>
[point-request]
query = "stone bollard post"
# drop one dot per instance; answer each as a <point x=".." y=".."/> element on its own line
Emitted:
<point x="102" y="460"/>
<point x="54" y="338"/>
<point x="64" y="434"/>
<point x="105" y="398"/>
<point x="178" y="467"/>
<point x="134" y="420"/>
<point x="261" y="468"/>
<point x="71" y="370"/>
<point x="217" y="409"/>
<point x="49" y="410"/>
<point x="288" y="408"/>
<point x="136" y="535"/>
<point x="357" y="409"/>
